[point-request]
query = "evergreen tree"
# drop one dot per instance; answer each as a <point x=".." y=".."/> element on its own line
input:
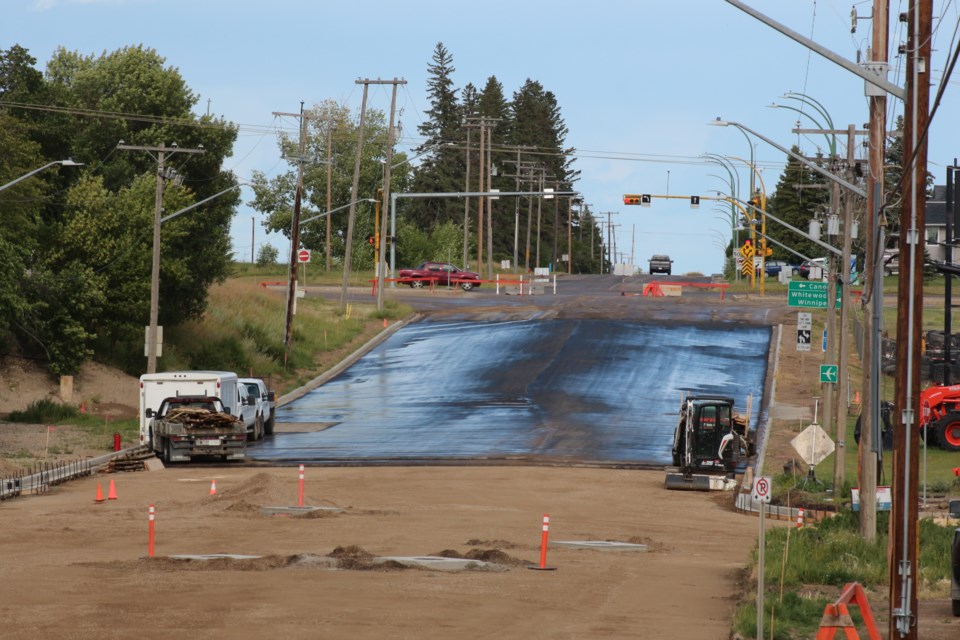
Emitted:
<point x="441" y="169"/>
<point x="800" y="195"/>
<point x="537" y="124"/>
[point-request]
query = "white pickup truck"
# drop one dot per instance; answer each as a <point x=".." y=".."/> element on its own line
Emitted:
<point x="266" y="403"/>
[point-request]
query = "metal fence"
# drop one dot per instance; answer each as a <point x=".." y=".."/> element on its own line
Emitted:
<point x="43" y="475"/>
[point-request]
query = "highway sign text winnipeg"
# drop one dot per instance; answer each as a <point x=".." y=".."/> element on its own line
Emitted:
<point x="809" y="294"/>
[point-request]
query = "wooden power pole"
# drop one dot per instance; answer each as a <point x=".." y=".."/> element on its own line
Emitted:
<point x="903" y="552"/>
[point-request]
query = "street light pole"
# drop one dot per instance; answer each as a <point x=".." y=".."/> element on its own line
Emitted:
<point x="153" y="338"/>
<point x="66" y="163"/>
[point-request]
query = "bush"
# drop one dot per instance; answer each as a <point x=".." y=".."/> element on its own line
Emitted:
<point x="267" y="256"/>
<point x="43" y="411"/>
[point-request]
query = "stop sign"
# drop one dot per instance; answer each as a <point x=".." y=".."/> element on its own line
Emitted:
<point x="304" y="255"/>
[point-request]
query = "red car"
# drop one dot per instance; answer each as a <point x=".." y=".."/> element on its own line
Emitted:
<point x="442" y="273"/>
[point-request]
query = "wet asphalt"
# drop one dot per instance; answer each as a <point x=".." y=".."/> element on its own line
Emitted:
<point x="592" y="375"/>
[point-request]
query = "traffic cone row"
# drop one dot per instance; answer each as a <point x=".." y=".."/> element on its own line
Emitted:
<point x="111" y="492"/>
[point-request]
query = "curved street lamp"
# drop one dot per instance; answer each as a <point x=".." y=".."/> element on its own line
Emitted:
<point x="65" y="163"/>
<point x="831" y="138"/>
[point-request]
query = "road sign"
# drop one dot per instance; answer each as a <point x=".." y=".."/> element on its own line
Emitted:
<point x="803" y="339"/>
<point x="809" y="294"/>
<point x="828" y="372"/>
<point x="804" y="320"/>
<point x="761" y="489"/>
<point x="813" y="445"/>
<point x="303" y="255"/>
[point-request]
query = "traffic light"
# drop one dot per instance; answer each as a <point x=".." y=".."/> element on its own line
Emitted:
<point x="755" y="202"/>
<point x="631" y="199"/>
<point x="767" y="252"/>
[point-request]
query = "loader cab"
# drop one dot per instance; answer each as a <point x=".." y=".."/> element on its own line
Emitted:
<point x="711" y="421"/>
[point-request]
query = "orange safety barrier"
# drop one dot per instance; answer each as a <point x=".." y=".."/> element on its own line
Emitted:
<point x="277" y="283"/>
<point x="837" y="615"/>
<point x="434" y="282"/>
<point x="653" y="288"/>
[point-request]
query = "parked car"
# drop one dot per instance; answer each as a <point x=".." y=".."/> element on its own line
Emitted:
<point x="774" y="267"/>
<point x="804" y="269"/>
<point x="266" y="402"/>
<point x="661" y="264"/>
<point x="248" y="411"/>
<point x="442" y="273"/>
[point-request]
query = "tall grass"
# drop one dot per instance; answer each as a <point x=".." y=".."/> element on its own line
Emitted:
<point x="244" y="327"/>
<point x="813" y="563"/>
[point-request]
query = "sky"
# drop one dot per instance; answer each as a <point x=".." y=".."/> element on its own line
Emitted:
<point x="637" y="83"/>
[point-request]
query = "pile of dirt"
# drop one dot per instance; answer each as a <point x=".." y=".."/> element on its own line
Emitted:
<point x="101" y="389"/>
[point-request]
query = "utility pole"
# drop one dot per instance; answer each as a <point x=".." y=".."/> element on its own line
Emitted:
<point x="482" y="200"/>
<point x="295" y="229"/>
<point x="354" y="195"/>
<point x="382" y="258"/>
<point x="489" y="168"/>
<point x="904" y="571"/>
<point x="466" y="202"/>
<point x="162" y="151"/>
<point x="871" y="445"/>
<point x="329" y="190"/>
<point x="570" y="236"/>
<point x="843" y="347"/>
<point x="521" y="166"/>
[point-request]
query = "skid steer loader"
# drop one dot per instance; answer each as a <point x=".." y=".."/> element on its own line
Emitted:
<point x="709" y="443"/>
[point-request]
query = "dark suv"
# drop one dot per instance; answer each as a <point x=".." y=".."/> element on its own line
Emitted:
<point x="661" y="264"/>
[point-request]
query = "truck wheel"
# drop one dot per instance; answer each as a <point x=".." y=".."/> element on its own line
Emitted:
<point x="268" y="425"/>
<point x="948" y="432"/>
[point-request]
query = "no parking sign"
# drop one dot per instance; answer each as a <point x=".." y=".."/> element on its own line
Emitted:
<point x="762" y="487"/>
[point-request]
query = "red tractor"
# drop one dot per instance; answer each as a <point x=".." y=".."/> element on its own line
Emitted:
<point x="940" y="407"/>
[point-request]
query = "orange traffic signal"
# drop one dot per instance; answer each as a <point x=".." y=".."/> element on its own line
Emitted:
<point x="631" y="199"/>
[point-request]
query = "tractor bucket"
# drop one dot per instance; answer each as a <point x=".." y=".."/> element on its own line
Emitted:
<point x="699" y="482"/>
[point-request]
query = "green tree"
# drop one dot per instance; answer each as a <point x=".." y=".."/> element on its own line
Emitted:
<point x="800" y="195"/>
<point x="442" y="167"/>
<point x="88" y="239"/>
<point x="267" y="256"/>
<point x="275" y="196"/>
<point x="537" y="124"/>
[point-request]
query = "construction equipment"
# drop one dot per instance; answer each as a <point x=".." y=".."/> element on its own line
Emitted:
<point x="709" y="443"/>
<point x="941" y="415"/>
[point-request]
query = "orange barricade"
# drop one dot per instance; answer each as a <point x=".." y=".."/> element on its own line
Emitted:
<point x="653" y="288"/>
<point x="837" y="615"/>
<point x="278" y="283"/>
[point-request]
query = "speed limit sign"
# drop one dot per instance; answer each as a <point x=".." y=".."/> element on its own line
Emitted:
<point x="761" y="489"/>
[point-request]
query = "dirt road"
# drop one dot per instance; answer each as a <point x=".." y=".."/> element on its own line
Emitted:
<point x="73" y="568"/>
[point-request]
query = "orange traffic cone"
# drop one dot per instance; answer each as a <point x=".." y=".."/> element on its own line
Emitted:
<point x="99" y="498"/>
<point x="384" y="323"/>
<point x="83" y="408"/>
<point x="112" y="493"/>
<point x="213" y="487"/>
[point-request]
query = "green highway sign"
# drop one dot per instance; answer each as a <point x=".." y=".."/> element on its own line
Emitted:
<point x="828" y="373"/>
<point x="802" y="293"/>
